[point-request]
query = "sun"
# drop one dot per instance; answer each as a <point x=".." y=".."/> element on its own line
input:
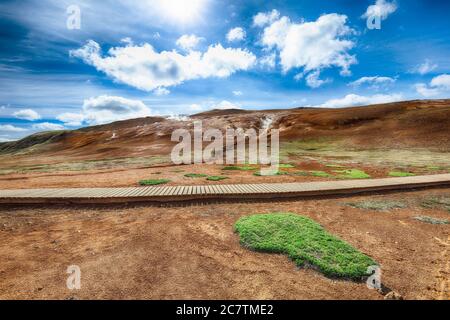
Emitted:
<point x="181" y="11"/>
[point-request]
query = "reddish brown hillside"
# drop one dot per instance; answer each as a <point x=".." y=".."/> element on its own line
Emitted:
<point x="412" y="124"/>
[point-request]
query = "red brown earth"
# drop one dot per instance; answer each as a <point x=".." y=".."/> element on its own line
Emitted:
<point x="130" y="177"/>
<point x="143" y="252"/>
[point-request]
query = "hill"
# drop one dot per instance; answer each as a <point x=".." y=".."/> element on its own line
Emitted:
<point x="402" y="125"/>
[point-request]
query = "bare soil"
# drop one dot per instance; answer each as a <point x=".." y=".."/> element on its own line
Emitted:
<point x="145" y="252"/>
<point x="129" y="177"/>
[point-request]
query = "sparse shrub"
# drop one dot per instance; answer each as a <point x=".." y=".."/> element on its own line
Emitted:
<point x="378" y="205"/>
<point x="436" y="202"/>
<point x="431" y="220"/>
<point x="153" y="182"/>
<point x="216" y="178"/>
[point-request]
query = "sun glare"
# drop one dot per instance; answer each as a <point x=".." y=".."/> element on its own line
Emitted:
<point x="181" y="11"/>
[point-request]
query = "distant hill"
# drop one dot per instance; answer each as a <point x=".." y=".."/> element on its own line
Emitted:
<point x="409" y="124"/>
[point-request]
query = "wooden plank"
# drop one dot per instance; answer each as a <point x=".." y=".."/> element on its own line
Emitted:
<point x="328" y="187"/>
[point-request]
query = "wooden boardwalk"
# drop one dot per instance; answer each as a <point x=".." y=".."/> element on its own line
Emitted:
<point x="240" y="191"/>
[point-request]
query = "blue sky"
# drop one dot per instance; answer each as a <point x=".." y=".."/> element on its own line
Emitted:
<point x="168" y="57"/>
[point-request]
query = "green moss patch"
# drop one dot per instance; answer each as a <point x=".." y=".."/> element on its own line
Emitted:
<point x="302" y="173"/>
<point x="304" y="241"/>
<point x="195" y="175"/>
<point x="378" y="205"/>
<point x="437" y="202"/>
<point x="335" y="166"/>
<point x="279" y="173"/>
<point x="321" y="174"/>
<point x="239" y="168"/>
<point x="286" y="166"/>
<point x="352" y="174"/>
<point x="216" y="178"/>
<point x="431" y="220"/>
<point x="153" y="182"/>
<point x="401" y="174"/>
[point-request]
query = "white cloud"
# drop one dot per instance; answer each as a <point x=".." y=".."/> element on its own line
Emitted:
<point x="10" y="128"/>
<point x="144" y="68"/>
<point x="438" y="85"/>
<point x="177" y="117"/>
<point x="381" y="8"/>
<point x="313" y="81"/>
<point x="351" y="100"/>
<point x="236" y="34"/>
<point x="425" y="67"/>
<point x="71" y="119"/>
<point x="27" y="114"/>
<point x="299" y="76"/>
<point x="426" y="91"/>
<point x="47" y="126"/>
<point x="195" y="107"/>
<point x="188" y="42"/>
<point x="224" y="105"/>
<point x="311" y="45"/>
<point x="161" y="91"/>
<point x="373" y="82"/>
<point x="262" y="18"/>
<point x="268" y="61"/>
<point x="105" y="109"/>
<point x="237" y="93"/>
<point x="442" y="81"/>
<point x="5" y="139"/>
<point x="127" y="41"/>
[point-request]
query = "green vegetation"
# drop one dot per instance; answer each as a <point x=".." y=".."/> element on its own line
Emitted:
<point x="303" y="146"/>
<point x="195" y="175"/>
<point x="304" y="241"/>
<point x="435" y="202"/>
<point x="401" y="174"/>
<point x="102" y="164"/>
<point x="335" y="151"/>
<point x="302" y="173"/>
<point x="322" y="174"/>
<point x="431" y="220"/>
<point x="153" y="182"/>
<point x="241" y="168"/>
<point x="335" y="166"/>
<point x="352" y="174"/>
<point x="378" y="205"/>
<point x="279" y="173"/>
<point x="286" y="166"/>
<point x="436" y="168"/>
<point x="216" y="178"/>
